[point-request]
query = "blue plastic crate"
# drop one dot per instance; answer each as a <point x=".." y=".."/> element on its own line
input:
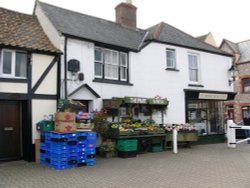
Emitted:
<point x="63" y="151"/>
<point x="82" y="142"/>
<point x="82" y="134"/>
<point x="91" y="136"/>
<point x="91" y="163"/>
<point x="64" y="158"/>
<point x="81" y="161"/>
<point x="82" y="156"/>
<point x="69" y="136"/>
<point x="55" y="155"/>
<point x="90" y="151"/>
<point x="91" y="156"/>
<point x="59" y="167"/>
<point x="91" y="144"/>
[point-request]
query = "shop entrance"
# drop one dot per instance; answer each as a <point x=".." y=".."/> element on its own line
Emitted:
<point x="10" y="139"/>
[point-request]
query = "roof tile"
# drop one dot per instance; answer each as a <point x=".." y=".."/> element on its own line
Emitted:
<point x="24" y="31"/>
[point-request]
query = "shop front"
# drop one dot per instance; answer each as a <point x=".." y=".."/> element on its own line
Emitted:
<point x="205" y="109"/>
<point x="136" y="122"/>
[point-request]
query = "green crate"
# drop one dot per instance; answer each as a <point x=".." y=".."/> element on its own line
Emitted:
<point x="156" y="149"/>
<point x="127" y="145"/>
<point x="45" y="126"/>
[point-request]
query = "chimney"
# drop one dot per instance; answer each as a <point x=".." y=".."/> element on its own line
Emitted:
<point x="126" y="14"/>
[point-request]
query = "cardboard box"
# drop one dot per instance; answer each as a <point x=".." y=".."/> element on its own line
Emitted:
<point x="65" y="116"/>
<point x="64" y="127"/>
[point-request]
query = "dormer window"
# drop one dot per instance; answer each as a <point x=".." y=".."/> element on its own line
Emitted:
<point x="13" y="64"/>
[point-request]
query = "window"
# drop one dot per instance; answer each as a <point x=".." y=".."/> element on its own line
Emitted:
<point x="110" y="64"/>
<point x="193" y="68"/>
<point x="124" y="66"/>
<point x="171" y="61"/>
<point x="246" y="85"/>
<point x="13" y="64"/>
<point x="245" y="111"/>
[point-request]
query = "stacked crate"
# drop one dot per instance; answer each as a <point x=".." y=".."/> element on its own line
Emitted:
<point x="157" y="144"/>
<point x="127" y="148"/>
<point x="67" y="150"/>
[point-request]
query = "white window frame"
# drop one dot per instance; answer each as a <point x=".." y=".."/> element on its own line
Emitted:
<point x="99" y="61"/>
<point x="173" y="59"/>
<point x="124" y="66"/>
<point x="113" y="62"/>
<point x="194" y="68"/>
<point x="13" y="64"/>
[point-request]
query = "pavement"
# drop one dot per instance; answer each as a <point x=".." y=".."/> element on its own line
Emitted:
<point x="201" y="166"/>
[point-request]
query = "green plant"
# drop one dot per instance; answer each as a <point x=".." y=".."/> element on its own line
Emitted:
<point x="107" y="147"/>
<point x="100" y="122"/>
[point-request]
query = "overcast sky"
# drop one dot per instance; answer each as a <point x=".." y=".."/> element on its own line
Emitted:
<point x="224" y="18"/>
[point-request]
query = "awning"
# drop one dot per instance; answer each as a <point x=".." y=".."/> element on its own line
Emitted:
<point x="116" y="102"/>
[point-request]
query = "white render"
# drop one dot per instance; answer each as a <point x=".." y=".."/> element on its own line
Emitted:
<point x="149" y="77"/>
<point x="13" y="87"/>
<point x="39" y="109"/>
<point x="49" y="84"/>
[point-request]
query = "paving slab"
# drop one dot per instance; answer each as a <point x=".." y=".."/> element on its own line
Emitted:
<point x="202" y="166"/>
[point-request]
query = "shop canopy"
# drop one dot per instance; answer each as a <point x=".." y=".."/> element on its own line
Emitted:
<point x="115" y="103"/>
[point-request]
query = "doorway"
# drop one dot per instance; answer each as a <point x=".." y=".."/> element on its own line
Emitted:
<point x="10" y="130"/>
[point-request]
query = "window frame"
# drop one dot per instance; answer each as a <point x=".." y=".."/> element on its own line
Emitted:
<point x="173" y="59"/>
<point x="197" y="68"/>
<point x="118" y="64"/>
<point x="244" y="85"/>
<point x="12" y="75"/>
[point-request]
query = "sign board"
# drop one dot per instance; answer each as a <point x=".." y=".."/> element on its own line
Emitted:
<point x="135" y="100"/>
<point x="213" y="96"/>
<point x="158" y="101"/>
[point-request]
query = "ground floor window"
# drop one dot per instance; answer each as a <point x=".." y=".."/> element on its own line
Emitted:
<point x="245" y="111"/>
<point x="206" y="115"/>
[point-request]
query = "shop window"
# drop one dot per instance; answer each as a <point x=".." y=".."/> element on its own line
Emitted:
<point x="111" y="64"/>
<point x="13" y="64"/>
<point x="246" y="85"/>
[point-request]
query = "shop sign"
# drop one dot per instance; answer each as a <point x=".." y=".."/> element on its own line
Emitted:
<point x="158" y="101"/>
<point x="213" y="96"/>
<point x="135" y="100"/>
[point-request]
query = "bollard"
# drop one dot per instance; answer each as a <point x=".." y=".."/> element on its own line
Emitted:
<point x="231" y="140"/>
<point x="175" y="147"/>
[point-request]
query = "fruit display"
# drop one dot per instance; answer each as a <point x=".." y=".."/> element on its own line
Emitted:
<point x="180" y="127"/>
<point x="136" y="128"/>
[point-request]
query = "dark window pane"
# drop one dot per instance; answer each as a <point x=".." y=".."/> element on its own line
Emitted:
<point x="21" y="65"/>
<point x="98" y="69"/>
<point x="7" y="63"/>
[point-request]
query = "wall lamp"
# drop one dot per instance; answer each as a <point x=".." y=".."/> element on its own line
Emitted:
<point x="232" y="72"/>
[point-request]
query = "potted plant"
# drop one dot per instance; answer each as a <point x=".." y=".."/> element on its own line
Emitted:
<point x="107" y="149"/>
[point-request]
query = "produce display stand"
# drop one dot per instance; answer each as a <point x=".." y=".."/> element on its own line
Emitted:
<point x="130" y="108"/>
<point x="158" y="139"/>
<point x="184" y="137"/>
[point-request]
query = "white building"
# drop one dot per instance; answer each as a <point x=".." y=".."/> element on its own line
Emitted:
<point x="116" y="59"/>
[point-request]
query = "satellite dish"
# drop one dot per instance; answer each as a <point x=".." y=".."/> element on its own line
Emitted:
<point x="74" y="65"/>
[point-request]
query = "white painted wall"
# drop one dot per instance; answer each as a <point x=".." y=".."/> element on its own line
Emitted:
<point x="149" y="77"/>
<point x="13" y="87"/>
<point x="39" y="65"/>
<point x="39" y="109"/>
